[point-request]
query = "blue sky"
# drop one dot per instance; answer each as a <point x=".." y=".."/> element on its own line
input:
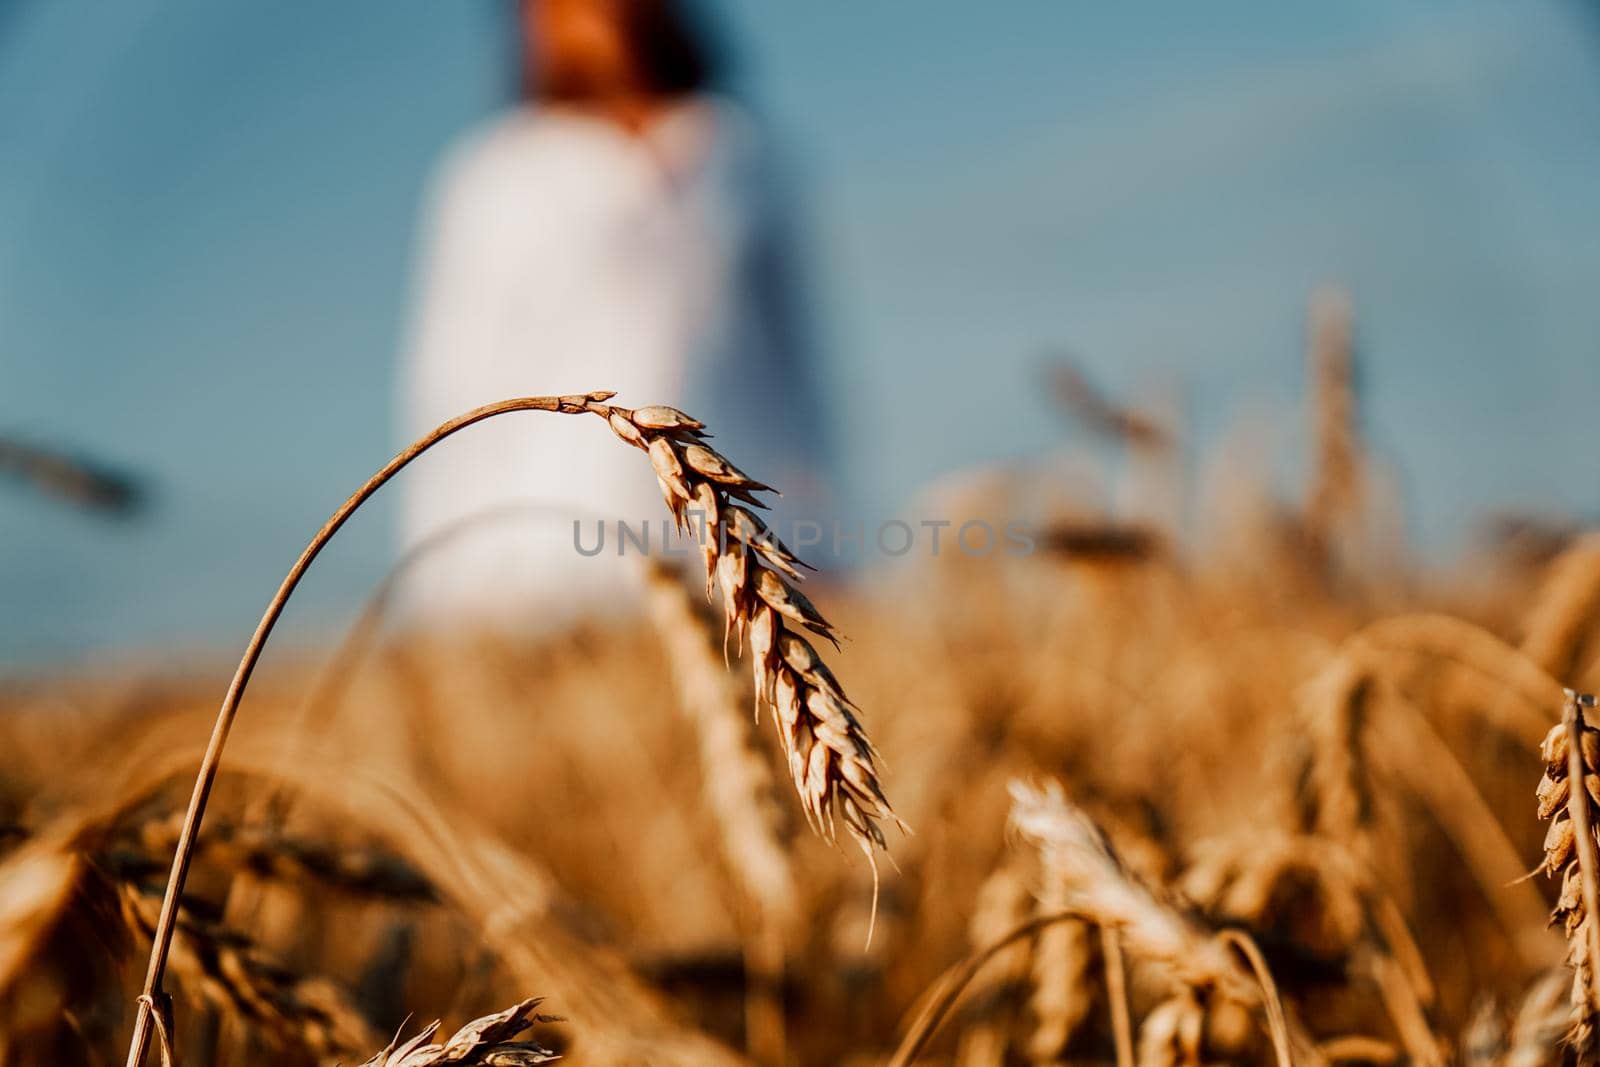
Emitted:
<point x="207" y="210"/>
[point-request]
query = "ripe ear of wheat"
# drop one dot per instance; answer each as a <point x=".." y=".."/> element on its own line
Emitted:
<point x="830" y="759"/>
<point x="1569" y="787"/>
<point x="484" y="1041"/>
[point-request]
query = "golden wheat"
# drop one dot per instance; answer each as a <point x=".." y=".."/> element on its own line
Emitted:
<point x="1570" y="785"/>
<point x="485" y="1041"/>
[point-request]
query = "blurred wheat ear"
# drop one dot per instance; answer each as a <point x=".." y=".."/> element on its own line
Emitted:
<point x="739" y="789"/>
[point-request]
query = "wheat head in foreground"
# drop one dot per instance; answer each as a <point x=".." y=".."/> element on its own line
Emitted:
<point x="1571" y="753"/>
<point x="482" y="1041"/>
<point x="830" y="758"/>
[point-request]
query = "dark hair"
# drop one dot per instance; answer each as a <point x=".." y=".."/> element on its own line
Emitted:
<point x="673" y="55"/>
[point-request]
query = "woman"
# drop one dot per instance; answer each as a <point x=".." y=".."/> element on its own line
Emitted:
<point x="619" y="230"/>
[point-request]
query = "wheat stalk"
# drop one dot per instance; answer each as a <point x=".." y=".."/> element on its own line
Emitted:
<point x="1334" y="499"/>
<point x="1483" y="1041"/>
<point x="830" y="758"/>
<point x="1002" y="903"/>
<point x="1557" y="628"/>
<point x="738" y="782"/>
<point x="1063" y="959"/>
<point x="1335" y="718"/>
<point x="739" y="787"/>
<point x="948" y="988"/>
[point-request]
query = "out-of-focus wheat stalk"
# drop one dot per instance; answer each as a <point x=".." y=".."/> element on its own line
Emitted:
<point x="949" y="987"/>
<point x="1507" y="689"/>
<point x="1542" y="1022"/>
<point x="738" y="782"/>
<point x="739" y="787"/>
<point x="1555" y="631"/>
<point x="79" y="481"/>
<point x="1117" y="995"/>
<point x="1063" y="958"/>
<point x="1003" y="903"/>
<point x="1077" y="396"/>
<point x="1334" y="498"/>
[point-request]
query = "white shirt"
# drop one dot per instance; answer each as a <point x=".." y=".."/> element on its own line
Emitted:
<point x="564" y="256"/>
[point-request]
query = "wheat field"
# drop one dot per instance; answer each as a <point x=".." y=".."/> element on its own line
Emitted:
<point x="1271" y="795"/>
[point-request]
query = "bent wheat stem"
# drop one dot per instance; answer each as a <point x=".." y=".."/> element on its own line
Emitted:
<point x="161" y="939"/>
<point x="830" y="757"/>
<point x="1277" y="1021"/>
<point x="949" y="988"/>
<point x="1117" y="994"/>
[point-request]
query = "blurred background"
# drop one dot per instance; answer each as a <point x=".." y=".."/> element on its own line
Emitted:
<point x="210" y="213"/>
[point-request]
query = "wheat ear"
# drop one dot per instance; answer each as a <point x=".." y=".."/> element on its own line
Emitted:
<point x="484" y="1041"/>
<point x="1557" y="628"/>
<point x="830" y="758"/>
<point x="1571" y="753"/>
